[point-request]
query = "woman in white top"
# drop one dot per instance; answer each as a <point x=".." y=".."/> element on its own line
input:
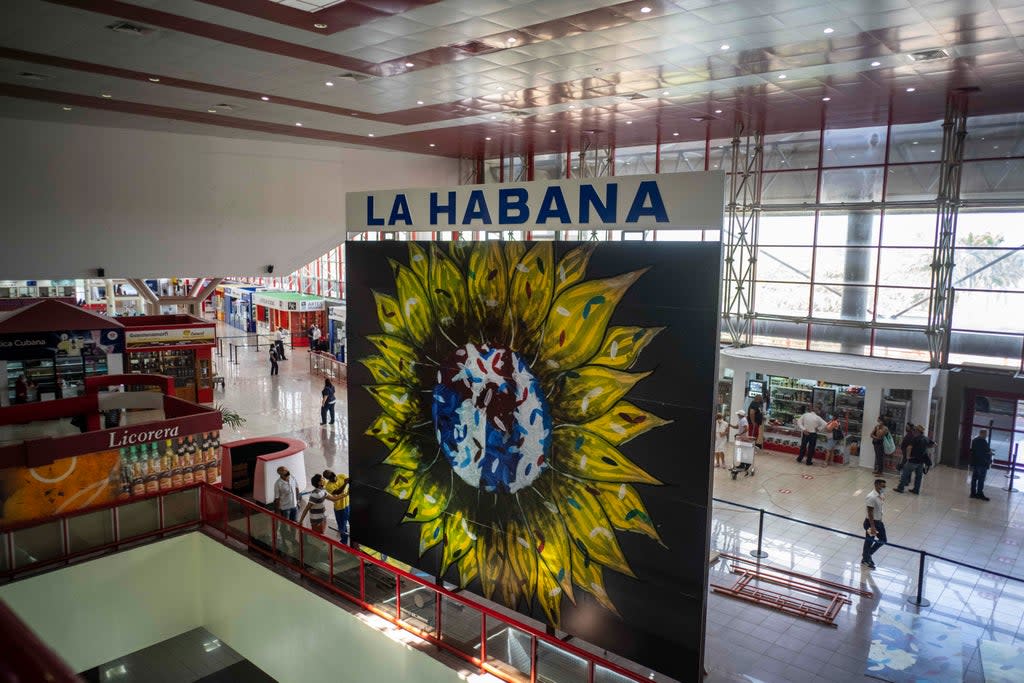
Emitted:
<point x="721" y="439"/>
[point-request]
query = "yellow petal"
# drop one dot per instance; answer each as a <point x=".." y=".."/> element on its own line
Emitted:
<point x="576" y="323"/>
<point x="381" y="370"/>
<point x="514" y="251"/>
<point x="589" y="529"/>
<point x="583" y="455"/>
<point x="460" y="538"/>
<point x="589" y="576"/>
<point x="487" y="282"/>
<point x="447" y="289"/>
<point x="622" y="346"/>
<point x="522" y="559"/>
<point x="418" y="261"/>
<point x="396" y="400"/>
<point x="572" y="267"/>
<point x="399" y="354"/>
<point x="402" y="484"/>
<point x="431" y="533"/>
<point x="385" y="429"/>
<point x="490" y="560"/>
<point x="624" y="422"/>
<point x="459" y="251"/>
<point x="416" y="310"/>
<point x="533" y="284"/>
<point x="406" y="455"/>
<point x="549" y="595"/>
<point x="625" y="509"/>
<point x="591" y="391"/>
<point x="430" y="497"/>
<point x="389" y="314"/>
<point x="550" y="538"/>
<point x="467" y="569"/>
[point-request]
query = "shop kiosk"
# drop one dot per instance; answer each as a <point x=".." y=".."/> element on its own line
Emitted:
<point x="180" y="346"/>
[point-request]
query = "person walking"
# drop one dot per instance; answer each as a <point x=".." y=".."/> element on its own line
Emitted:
<point x="721" y="439"/>
<point x="273" y="361"/>
<point x="21" y="389"/>
<point x="286" y="494"/>
<point x="874" y="528"/>
<point x="317" y="334"/>
<point x="327" y="402"/>
<point x="835" y="439"/>
<point x="279" y="343"/>
<point x="918" y="461"/>
<point x="878" y="443"/>
<point x="337" y="489"/>
<point x="316" y="506"/>
<point x="981" y="460"/>
<point x="810" y="423"/>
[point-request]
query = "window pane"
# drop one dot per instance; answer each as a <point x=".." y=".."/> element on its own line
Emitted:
<point x="784" y="334"/>
<point x="781" y="299"/>
<point x="992" y="179"/>
<point x="990" y="229"/>
<point x="792" y="264"/>
<point x="916" y="142"/>
<point x="852" y="184"/>
<point x="993" y="136"/>
<point x="791" y="150"/>
<point x="789" y="188"/>
<point x="852" y="265"/>
<point x="998" y="311"/>
<point x="845" y="302"/>
<point x="850" y="146"/>
<point x="908" y="229"/>
<point x="905" y="267"/>
<point x="970" y="348"/>
<point x="903" y="306"/>
<point x="840" y="339"/>
<point x="998" y="269"/>
<point x="915" y="182"/>
<point x="849" y="228"/>
<point x="785" y="230"/>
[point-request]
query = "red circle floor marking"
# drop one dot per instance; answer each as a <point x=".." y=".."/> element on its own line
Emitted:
<point x="785" y="491"/>
<point x="807" y="476"/>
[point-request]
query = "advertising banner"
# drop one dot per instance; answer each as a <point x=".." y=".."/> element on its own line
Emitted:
<point x="68" y="343"/>
<point x="665" y="201"/>
<point x="170" y="337"/>
<point x="533" y="421"/>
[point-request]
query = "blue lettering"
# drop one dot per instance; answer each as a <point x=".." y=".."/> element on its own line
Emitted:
<point x="647" y="190"/>
<point x="513" y="212"/>
<point x="476" y="209"/>
<point x="553" y="206"/>
<point x="400" y="211"/>
<point x="606" y="211"/>
<point x="436" y="208"/>
<point x="370" y="219"/>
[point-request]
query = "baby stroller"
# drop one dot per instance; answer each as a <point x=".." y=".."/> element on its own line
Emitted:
<point x="743" y="458"/>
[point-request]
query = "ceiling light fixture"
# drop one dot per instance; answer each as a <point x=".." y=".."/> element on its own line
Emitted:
<point x="675" y="135"/>
<point x="510" y="40"/>
<point x="488" y="139"/>
<point x="419" y="101"/>
<point x="329" y="84"/>
<point x="66" y="108"/>
<point x="826" y="99"/>
<point x="782" y="77"/>
<point x="320" y="26"/>
<point x="212" y="111"/>
<point x="265" y="98"/>
<point x="645" y="10"/>
<point x="298" y="124"/>
<point x="154" y="79"/>
<point x="553" y="131"/>
<point x="493" y="117"/>
<point x="373" y="135"/>
<point x="410" y="64"/>
<point x="572" y="106"/>
<point x="106" y="95"/>
<point x="664" y="92"/>
<point x="829" y="29"/>
<point x="718" y="111"/>
<point x="433" y="145"/>
<point x="911" y="89"/>
<point x="724" y="47"/>
<point x="629" y="123"/>
<point x="876" y="64"/>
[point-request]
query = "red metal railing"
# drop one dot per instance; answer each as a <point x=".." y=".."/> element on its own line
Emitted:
<point x="451" y="621"/>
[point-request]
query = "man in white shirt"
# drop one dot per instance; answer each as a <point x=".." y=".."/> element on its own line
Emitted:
<point x="279" y="343"/>
<point x="874" y="529"/>
<point x="810" y="423"/>
<point x="741" y="423"/>
<point x="286" y="495"/>
<point x="316" y="337"/>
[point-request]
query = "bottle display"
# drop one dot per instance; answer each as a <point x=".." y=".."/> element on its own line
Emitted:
<point x="125" y="489"/>
<point x="152" y="457"/>
<point x="176" y="473"/>
<point x="138" y="476"/>
<point x="196" y="457"/>
<point x="213" y="459"/>
<point x="165" y="464"/>
<point x="186" y="462"/>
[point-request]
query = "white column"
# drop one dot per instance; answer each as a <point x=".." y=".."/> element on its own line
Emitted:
<point x="872" y="409"/>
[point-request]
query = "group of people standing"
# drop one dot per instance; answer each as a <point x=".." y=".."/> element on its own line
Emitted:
<point x="328" y="486"/>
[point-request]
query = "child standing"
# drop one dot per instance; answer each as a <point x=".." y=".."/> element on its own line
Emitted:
<point x="721" y="439"/>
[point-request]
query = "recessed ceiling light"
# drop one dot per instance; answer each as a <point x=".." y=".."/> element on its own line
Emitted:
<point x="500" y="88"/>
<point x="212" y="111"/>
<point x="553" y="131"/>
<point x="410" y="64"/>
<point x="629" y="123"/>
<point x="488" y="139"/>
<point x="675" y="135"/>
<point x="829" y="30"/>
<point x="876" y="64"/>
<point x="782" y="76"/>
<point x="572" y="106"/>
<point x="718" y="111"/>
<point x="914" y="142"/>
<point x="154" y="79"/>
<point x="433" y="145"/>
<point x="493" y="117"/>
<point x="664" y="92"/>
<point x="645" y="10"/>
<point x="66" y="108"/>
<point x="373" y="135"/>
<point x="329" y="84"/>
<point x="419" y="101"/>
<point x="298" y="124"/>
<point x="724" y="47"/>
<point x="828" y="149"/>
<point x="265" y="98"/>
<point x="932" y="151"/>
<point x="911" y="89"/>
<point x="826" y="99"/>
<point x="106" y="95"/>
<point x="319" y="25"/>
<point x="510" y="40"/>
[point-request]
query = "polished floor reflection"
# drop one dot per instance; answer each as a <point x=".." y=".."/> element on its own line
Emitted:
<point x="747" y="642"/>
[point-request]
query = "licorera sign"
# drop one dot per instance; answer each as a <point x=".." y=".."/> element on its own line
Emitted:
<point x="663" y="201"/>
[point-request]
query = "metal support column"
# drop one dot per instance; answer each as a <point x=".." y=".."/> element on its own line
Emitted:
<point x="740" y="238"/>
<point x="595" y="158"/>
<point x="940" y="307"/>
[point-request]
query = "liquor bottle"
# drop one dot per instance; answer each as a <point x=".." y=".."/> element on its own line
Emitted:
<point x="165" y="465"/>
<point x="153" y="469"/>
<point x="125" y="490"/>
<point x="176" y="477"/>
<point x="186" y="462"/>
<point x="138" y="478"/>
<point x="212" y="464"/>
<point x="198" y="461"/>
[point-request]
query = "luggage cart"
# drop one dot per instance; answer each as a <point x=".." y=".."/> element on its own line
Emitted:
<point x="743" y="458"/>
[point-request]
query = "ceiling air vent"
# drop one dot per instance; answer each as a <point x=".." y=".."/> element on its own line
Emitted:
<point x="518" y="113"/>
<point x="130" y="29"/>
<point x="31" y="76"/>
<point x="929" y="55"/>
<point x="349" y="77"/>
<point x="473" y="47"/>
<point x="637" y="96"/>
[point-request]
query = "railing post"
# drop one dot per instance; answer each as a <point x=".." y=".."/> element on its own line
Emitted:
<point x="533" y="659"/>
<point x="1013" y="468"/>
<point x="759" y="554"/>
<point x="483" y="640"/>
<point x="919" y="598"/>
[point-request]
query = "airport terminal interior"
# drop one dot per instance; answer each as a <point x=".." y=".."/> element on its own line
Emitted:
<point x="537" y="247"/>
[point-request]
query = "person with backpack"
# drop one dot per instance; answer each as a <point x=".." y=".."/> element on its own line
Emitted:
<point x="835" y="439"/>
<point x="918" y="462"/>
<point x="878" y="442"/>
<point x="981" y="460"/>
<point x="327" y="402"/>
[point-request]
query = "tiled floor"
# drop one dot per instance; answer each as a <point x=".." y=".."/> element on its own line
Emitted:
<point x="746" y="642"/>
<point x="196" y="656"/>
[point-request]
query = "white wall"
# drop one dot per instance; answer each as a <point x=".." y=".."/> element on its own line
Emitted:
<point x="151" y="204"/>
<point x="98" y="611"/>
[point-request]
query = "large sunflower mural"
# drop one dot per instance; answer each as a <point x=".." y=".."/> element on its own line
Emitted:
<point x="503" y="391"/>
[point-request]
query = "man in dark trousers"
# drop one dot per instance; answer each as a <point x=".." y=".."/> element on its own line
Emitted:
<point x="874" y="528"/>
<point x="918" y="461"/>
<point x="981" y="460"/>
<point x="273" y="360"/>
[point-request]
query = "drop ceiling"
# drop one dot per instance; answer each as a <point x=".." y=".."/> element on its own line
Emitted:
<point x="481" y="78"/>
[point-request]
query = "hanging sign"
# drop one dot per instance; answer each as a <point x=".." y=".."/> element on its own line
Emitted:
<point x="679" y="201"/>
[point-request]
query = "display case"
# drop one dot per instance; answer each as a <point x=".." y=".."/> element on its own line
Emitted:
<point x="54" y="377"/>
<point x="177" y="363"/>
